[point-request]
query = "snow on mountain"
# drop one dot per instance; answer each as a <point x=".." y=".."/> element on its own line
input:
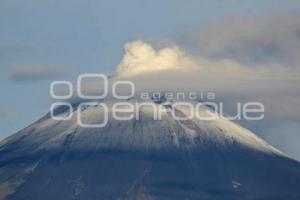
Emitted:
<point x="146" y="133"/>
<point x="143" y="158"/>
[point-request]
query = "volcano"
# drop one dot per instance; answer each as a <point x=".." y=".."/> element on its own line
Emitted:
<point x="143" y="159"/>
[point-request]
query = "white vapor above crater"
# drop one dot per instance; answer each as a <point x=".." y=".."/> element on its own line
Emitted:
<point x="140" y="57"/>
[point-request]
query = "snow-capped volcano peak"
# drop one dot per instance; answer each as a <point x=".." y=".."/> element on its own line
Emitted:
<point x="152" y="126"/>
<point x="142" y="158"/>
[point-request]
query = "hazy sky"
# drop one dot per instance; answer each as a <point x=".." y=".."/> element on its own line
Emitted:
<point x="48" y="40"/>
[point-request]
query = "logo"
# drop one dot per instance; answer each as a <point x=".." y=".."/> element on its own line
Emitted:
<point x="122" y="109"/>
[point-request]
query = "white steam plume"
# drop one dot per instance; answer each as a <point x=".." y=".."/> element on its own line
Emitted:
<point x="140" y="57"/>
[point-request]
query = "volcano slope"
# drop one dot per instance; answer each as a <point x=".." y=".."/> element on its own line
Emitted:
<point x="143" y="159"/>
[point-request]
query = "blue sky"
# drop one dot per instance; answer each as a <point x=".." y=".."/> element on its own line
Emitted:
<point x="73" y="37"/>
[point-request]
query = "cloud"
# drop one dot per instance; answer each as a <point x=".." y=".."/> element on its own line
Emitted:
<point x="273" y="38"/>
<point x="141" y="57"/>
<point x="37" y="72"/>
